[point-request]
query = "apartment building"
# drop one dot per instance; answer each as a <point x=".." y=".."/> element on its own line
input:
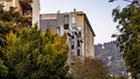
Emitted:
<point x="78" y="28"/>
<point x="88" y="33"/>
<point x="61" y="23"/>
<point x="29" y="9"/>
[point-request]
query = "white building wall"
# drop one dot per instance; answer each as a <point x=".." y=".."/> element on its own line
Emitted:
<point x="36" y="12"/>
<point x="61" y="31"/>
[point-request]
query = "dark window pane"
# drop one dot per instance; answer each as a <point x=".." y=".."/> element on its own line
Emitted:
<point x="78" y="43"/>
<point x="78" y="52"/>
<point x="79" y="33"/>
<point x="72" y="46"/>
<point x="66" y="26"/>
<point x="72" y="37"/>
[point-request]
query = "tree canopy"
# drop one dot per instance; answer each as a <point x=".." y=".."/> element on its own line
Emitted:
<point x="89" y="68"/>
<point x="128" y="36"/>
<point x="34" y="55"/>
<point x="10" y="20"/>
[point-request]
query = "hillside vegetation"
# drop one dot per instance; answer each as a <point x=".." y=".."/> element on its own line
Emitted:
<point x="110" y="55"/>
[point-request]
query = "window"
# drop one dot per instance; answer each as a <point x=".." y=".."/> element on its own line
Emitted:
<point x="73" y="20"/>
<point x="66" y="19"/>
<point x="72" y="37"/>
<point x="73" y="26"/>
<point x="78" y="52"/>
<point x="79" y="33"/>
<point x="66" y="22"/>
<point x="66" y="26"/>
<point x="72" y="46"/>
<point x="78" y="43"/>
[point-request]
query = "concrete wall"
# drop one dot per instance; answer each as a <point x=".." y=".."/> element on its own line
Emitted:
<point x="81" y="23"/>
<point x="60" y="19"/>
<point x="88" y="45"/>
<point x="17" y="4"/>
<point x="86" y="40"/>
<point x="36" y="12"/>
<point x="91" y="45"/>
<point x="61" y="31"/>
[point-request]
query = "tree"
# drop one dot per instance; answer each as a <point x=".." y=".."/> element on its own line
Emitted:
<point x="3" y="69"/>
<point x="35" y="55"/>
<point x="128" y="36"/>
<point x="10" y="20"/>
<point x="89" y="69"/>
<point x="121" y="77"/>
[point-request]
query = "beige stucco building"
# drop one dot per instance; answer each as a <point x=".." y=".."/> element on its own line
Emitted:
<point x="88" y="45"/>
<point x="77" y="26"/>
<point x="27" y="8"/>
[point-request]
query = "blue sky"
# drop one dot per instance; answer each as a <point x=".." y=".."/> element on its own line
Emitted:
<point x="99" y="13"/>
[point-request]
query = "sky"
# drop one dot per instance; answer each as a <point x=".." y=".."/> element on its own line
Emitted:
<point x="99" y="13"/>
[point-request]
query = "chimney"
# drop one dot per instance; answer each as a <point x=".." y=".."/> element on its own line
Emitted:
<point x="58" y="12"/>
<point x="74" y="10"/>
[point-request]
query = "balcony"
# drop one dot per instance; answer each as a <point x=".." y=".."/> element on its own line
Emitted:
<point x="25" y="1"/>
<point x="27" y="14"/>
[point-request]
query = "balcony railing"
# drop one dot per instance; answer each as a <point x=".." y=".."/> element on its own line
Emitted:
<point x="25" y="1"/>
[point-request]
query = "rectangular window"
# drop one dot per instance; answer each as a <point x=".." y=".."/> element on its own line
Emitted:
<point x="73" y="20"/>
<point x="79" y="33"/>
<point x="78" y="52"/>
<point x="72" y="37"/>
<point x="72" y="46"/>
<point x="66" y="19"/>
<point x="73" y="26"/>
<point x="66" y="22"/>
<point x="78" y="43"/>
<point x="66" y="26"/>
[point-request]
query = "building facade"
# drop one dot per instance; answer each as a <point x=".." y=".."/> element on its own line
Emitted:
<point x="88" y="34"/>
<point x="29" y="9"/>
<point x="61" y="23"/>
<point x="78" y="28"/>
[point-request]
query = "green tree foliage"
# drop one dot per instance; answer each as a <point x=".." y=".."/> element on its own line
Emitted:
<point x="3" y="69"/>
<point x="111" y="57"/>
<point x="9" y="20"/>
<point x="128" y="36"/>
<point x="121" y="77"/>
<point x="35" y="55"/>
<point x="89" y="69"/>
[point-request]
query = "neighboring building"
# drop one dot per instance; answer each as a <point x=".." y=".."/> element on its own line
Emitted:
<point x="76" y="25"/>
<point x="27" y="8"/>
<point x="88" y="45"/>
<point x="65" y="23"/>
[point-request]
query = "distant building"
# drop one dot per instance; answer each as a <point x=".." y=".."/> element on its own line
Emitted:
<point x="76" y="25"/>
<point x="27" y="8"/>
<point x="88" y="33"/>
